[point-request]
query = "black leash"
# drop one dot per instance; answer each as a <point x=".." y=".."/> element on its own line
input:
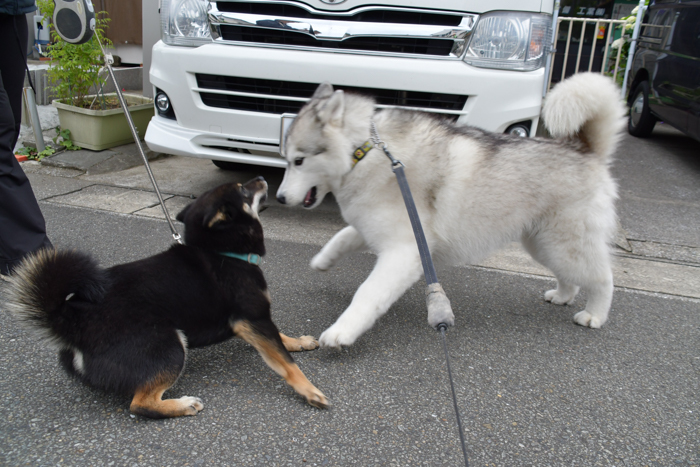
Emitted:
<point x="442" y="328"/>
<point x="440" y="314"/>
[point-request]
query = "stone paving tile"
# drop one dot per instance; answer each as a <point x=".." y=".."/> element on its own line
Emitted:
<point x="110" y="198"/>
<point x="34" y="167"/>
<point x="81" y="159"/>
<point x="174" y="206"/>
<point x="47" y="186"/>
<point x="664" y="250"/>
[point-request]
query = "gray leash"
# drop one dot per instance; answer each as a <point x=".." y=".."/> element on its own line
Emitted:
<point x="108" y="64"/>
<point x="440" y="315"/>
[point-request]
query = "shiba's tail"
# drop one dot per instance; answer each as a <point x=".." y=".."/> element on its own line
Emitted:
<point x="43" y="287"/>
<point x="587" y="107"/>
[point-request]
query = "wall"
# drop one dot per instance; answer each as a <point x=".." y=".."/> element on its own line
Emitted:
<point x="151" y="35"/>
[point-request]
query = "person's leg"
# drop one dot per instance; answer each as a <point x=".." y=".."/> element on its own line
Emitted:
<point x="13" y="59"/>
<point x="22" y="225"/>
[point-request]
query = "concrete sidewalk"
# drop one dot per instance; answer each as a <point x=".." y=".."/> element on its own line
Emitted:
<point x="116" y="181"/>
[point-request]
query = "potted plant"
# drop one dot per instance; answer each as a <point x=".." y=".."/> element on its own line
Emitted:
<point x="95" y="119"/>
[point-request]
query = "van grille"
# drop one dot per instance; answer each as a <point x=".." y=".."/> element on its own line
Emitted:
<point x="371" y="16"/>
<point x="439" y="47"/>
<point x="368" y="30"/>
<point x="275" y="92"/>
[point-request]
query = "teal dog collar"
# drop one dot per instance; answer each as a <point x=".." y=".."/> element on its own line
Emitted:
<point x="251" y="258"/>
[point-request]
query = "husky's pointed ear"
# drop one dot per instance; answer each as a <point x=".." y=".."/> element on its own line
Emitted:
<point x="334" y="109"/>
<point x="181" y="215"/>
<point x="325" y="89"/>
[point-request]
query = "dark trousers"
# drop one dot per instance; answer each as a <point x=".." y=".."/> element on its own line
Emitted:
<point x="22" y="226"/>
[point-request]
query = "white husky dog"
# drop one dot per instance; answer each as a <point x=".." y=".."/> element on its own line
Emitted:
<point x="475" y="192"/>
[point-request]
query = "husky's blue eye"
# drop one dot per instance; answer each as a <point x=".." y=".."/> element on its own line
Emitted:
<point x="298" y="161"/>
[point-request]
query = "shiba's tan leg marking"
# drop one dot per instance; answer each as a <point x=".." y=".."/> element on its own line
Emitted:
<point x="273" y="353"/>
<point x="299" y="344"/>
<point x="148" y="400"/>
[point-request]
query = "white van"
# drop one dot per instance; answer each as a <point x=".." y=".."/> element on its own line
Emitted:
<point x="226" y="72"/>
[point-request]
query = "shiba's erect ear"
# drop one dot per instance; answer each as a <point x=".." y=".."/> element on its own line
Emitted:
<point x="325" y="89"/>
<point x="181" y="215"/>
<point x="332" y="112"/>
<point x="214" y="217"/>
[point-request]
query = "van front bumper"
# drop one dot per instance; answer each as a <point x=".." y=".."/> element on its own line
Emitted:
<point x="495" y="99"/>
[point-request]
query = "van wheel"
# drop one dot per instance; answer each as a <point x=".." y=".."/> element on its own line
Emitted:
<point x="641" y="122"/>
<point x="226" y="165"/>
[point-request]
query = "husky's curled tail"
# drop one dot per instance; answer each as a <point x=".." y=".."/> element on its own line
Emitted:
<point x="587" y="107"/>
<point x="42" y="286"/>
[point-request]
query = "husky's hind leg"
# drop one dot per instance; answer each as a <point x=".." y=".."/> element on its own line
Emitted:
<point x="347" y="241"/>
<point x="396" y="270"/>
<point x="599" y="300"/>
<point x="563" y="294"/>
<point x="576" y="263"/>
<point x="543" y="253"/>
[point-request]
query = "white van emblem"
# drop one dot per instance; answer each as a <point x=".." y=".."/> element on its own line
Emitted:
<point x="333" y="2"/>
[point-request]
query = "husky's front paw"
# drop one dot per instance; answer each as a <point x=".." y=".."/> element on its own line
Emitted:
<point x="584" y="318"/>
<point x="321" y="262"/>
<point x="335" y="337"/>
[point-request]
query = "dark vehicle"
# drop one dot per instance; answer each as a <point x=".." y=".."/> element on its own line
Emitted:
<point x="665" y="73"/>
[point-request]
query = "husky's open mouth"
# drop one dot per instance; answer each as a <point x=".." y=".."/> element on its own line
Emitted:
<point x="310" y="198"/>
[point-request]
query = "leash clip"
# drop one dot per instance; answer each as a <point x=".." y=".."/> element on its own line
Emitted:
<point x="378" y="143"/>
<point x="395" y="163"/>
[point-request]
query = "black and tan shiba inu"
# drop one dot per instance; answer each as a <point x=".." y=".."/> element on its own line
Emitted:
<point x="127" y="328"/>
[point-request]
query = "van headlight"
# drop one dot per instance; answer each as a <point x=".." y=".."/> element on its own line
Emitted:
<point x="185" y="22"/>
<point x="510" y="41"/>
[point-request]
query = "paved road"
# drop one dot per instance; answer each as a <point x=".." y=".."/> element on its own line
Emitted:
<point x="534" y="389"/>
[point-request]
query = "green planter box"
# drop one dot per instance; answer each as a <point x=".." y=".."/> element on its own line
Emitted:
<point x="103" y="129"/>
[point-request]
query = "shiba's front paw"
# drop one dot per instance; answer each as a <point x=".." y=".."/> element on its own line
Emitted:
<point x="306" y="343"/>
<point x="317" y="399"/>
<point x="193" y="405"/>
<point x="335" y="338"/>
<point x="321" y="262"/>
<point x="584" y="318"/>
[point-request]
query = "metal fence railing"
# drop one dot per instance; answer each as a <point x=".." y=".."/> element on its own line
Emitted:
<point x="610" y="62"/>
<point x="594" y="46"/>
